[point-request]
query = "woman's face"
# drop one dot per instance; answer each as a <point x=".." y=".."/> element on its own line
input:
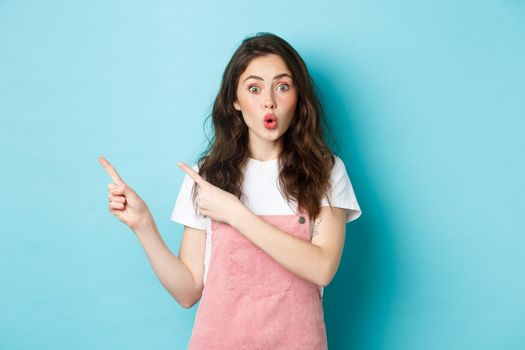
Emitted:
<point x="266" y="87"/>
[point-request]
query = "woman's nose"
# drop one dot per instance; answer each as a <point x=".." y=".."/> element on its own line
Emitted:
<point x="270" y="101"/>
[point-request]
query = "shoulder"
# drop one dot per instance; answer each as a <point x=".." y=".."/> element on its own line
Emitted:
<point x="341" y="193"/>
<point x="339" y="179"/>
<point x="339" y="167"/>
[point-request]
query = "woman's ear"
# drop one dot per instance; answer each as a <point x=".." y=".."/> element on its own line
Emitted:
<point x="236" y="105"/>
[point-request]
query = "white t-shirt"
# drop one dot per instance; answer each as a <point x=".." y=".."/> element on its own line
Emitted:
<point x="261" y="195"/>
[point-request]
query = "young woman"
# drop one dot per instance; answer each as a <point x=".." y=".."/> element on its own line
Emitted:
<point x="251" y="251"/>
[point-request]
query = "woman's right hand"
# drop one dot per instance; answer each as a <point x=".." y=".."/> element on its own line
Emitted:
<point x="124" y="203"/>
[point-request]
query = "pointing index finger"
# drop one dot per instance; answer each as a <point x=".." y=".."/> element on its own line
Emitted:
<point x="192" y="173"/>
<point x="111" y="171"/>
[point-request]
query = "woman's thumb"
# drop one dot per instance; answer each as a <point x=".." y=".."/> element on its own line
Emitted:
<point x="130" y="194"/>
<point x="121" y="190"/>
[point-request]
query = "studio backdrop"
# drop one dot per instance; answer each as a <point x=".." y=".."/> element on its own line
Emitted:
<point x="426" y="100"/>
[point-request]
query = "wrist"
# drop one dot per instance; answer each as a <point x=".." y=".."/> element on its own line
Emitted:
<point x="239" y="215"/>
<point x="146" y="226"/>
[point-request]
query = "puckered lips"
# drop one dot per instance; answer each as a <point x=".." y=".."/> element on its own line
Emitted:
<point x="270" y="121"/>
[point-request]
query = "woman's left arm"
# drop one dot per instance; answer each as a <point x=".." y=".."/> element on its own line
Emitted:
<point x="316" y="261"/>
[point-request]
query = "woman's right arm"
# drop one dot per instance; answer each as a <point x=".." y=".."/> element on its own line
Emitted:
<point x="183" y="276"/>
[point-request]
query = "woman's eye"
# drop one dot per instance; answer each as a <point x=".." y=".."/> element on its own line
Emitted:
<point x="253" y="88"/>
<point x="285" y="85"/>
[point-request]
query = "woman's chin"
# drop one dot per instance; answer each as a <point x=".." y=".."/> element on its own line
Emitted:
<point x="269" y="135"/>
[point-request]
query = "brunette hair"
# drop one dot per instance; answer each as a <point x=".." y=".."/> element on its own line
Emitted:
<point x="306" y="161"/>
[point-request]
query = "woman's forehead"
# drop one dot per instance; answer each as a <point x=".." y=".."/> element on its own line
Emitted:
<point x="266" y="67"/>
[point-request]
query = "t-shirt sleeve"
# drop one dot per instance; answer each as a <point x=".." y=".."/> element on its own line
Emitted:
<point x="184" y="210"/>
<point x="342" y="194"/>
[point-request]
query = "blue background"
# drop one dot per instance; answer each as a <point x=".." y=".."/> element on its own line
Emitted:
<point x="427" y="102"/>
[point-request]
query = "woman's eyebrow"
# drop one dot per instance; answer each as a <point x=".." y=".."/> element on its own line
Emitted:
<point x="276" y="77"/>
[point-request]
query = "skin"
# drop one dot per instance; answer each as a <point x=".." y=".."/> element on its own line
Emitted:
<point x="316" y="261"/>
<point x="179" y="275"/>
<point x="262" y="89"/>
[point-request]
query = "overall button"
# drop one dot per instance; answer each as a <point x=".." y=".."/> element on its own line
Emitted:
<point x="302" y="220"/>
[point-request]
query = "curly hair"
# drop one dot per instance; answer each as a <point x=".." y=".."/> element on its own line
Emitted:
<point x="305" y="162"/>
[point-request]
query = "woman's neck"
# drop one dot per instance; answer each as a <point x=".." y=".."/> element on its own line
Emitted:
<point x="265" y="154"/>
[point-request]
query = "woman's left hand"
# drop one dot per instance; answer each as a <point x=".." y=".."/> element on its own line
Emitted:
<point x="213" y="201"/>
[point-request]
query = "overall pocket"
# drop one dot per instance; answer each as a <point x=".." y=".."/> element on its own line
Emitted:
<point x="254" y="273"/>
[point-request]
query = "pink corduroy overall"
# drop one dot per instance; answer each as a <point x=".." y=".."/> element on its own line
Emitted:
<point x="251" y="302"/>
